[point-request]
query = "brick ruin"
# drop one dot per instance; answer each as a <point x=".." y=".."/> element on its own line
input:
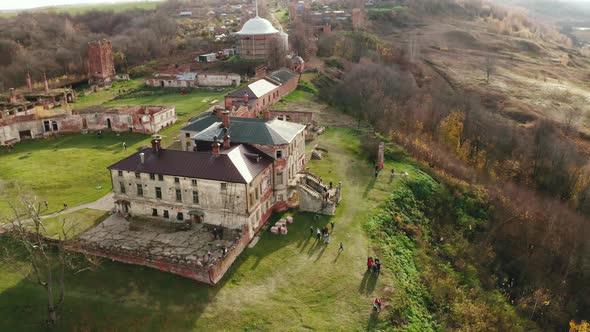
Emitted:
<point x="101" y="66"/>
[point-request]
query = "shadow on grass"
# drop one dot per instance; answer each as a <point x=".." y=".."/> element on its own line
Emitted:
<point x="368" y="283"/>
<point x="298" y="232"/>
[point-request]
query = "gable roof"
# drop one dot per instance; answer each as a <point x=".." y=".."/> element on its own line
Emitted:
<point x="238" y="164"/>
<point x="255" y="90"/>
<point x="282" y="75"/>
<point x="252" y="131"/>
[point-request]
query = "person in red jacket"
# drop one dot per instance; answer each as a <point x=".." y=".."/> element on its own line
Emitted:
<point x="377" y="305"/>
<point x="370" y="263"/>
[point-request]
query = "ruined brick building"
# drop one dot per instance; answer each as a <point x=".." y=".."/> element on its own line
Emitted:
<point x="253" y="99"/>
<point x="101" y="66"/>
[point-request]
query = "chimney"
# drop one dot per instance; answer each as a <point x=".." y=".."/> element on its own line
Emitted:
<point x="142" y="157"/>
<point x="225" y="118"/>
<point x="226" y="140"/>
<point x="156" y="145"/>
<point x="12" y="99"/>
<point x="29" y="82"/>
<point x="45" y="83"/>
<point x="215" y="147"/>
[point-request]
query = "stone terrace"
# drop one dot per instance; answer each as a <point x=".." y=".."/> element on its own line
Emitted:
<point x="151" y="243"/>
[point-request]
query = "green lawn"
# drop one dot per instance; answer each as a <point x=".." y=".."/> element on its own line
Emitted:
<point x="68" y="169"/>
<point x="106" y="95"/>
<point x="72" y="168"/>
<point x="285" y="283"/>
<point x="74" y="223"/>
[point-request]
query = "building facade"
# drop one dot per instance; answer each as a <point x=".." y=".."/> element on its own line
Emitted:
<point x="229" y="187"/>
<point x="193" y="80"/>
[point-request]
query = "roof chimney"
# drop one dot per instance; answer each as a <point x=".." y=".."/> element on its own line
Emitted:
<point x="29" y="82"/>
<point x="156" y="145"/>
<point x="45" y="83"/>
<point x="215" y="147"/>
<point x="226" y="140"/>
<point x="142" y="157"/>
<point x="225" y="118"/>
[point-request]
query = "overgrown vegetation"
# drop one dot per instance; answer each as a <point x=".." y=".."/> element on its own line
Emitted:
<point x="430" y="232"/>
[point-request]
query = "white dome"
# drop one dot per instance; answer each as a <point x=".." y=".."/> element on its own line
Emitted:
<point x="257" y="26"/>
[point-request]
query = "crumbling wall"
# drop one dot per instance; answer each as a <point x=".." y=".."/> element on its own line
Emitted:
<point x="218" y="79"/>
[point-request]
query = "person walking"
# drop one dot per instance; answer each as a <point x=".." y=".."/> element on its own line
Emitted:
<point x="377" y="305"/>
<point x="326" y="229"/>
<point x="310" y="230"/>
<point x="327" y="238"/>
<point x="341" y="248"/>
<point x="377" y="265"/>
<point x="124" y="146"/>
<point x="332" y="224"/>
<point x="374" y="270"/>
<point x="323" y="232"/>
<point x="370" y="263"/>
<point x="318" y="234"/>
<point x="392" y="175"/>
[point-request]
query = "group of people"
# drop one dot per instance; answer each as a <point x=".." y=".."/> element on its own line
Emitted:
<point x="322" y="233"/>
<point x="374" y="265"/>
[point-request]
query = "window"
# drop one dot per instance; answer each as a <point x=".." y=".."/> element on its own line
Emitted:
<point x="122" y="186"/>
<point x="120" y="173"/>
<point x="178" y="195"/>
<point x="196" y="197"/>
<point x="165" y="214"/>
<point x="154" y="212"/>
<point x="152" y="176"/>
<point x="252" y="198"/>
<point x="54" y="125"/>
<point x="160" y="177"/>
<point x="137" y="175"/>
<point x="139" y="190"/>
<point x="194" y="182"/>
<point x="176" y="180"/>
<point x="223" y="186"/>
<point x="280" y="178"/>
<point x="187" y="135"/>
<point x="158" y="192"/>
<point x="279" y="154"/>
<point x="180" y="216"/>
<point x="257" y="194"/>
<point x="280" y="197"/>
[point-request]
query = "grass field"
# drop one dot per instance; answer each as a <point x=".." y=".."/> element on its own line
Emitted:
<point x="74" y="223"/>
<point x="107" y="95"/>
<point x="72" y="168"/>
<point x="68" y="169"/>
<point x="284" y="283"/>
<point x="81" y="9"/>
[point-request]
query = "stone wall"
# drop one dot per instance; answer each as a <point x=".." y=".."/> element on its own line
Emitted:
<point x="220" y="79"/>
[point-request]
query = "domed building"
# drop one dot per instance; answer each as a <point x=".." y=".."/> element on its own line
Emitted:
<point x="256" y="38"/>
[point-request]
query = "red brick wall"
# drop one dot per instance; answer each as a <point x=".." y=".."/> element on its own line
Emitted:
<point x="100" y="60"/>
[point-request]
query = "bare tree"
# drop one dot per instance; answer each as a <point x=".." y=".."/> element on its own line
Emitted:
<point x="489" y="67"/>
<point x="47" y="261"/>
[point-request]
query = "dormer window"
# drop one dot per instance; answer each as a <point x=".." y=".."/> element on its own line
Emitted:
<point x="279" y="154"/>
